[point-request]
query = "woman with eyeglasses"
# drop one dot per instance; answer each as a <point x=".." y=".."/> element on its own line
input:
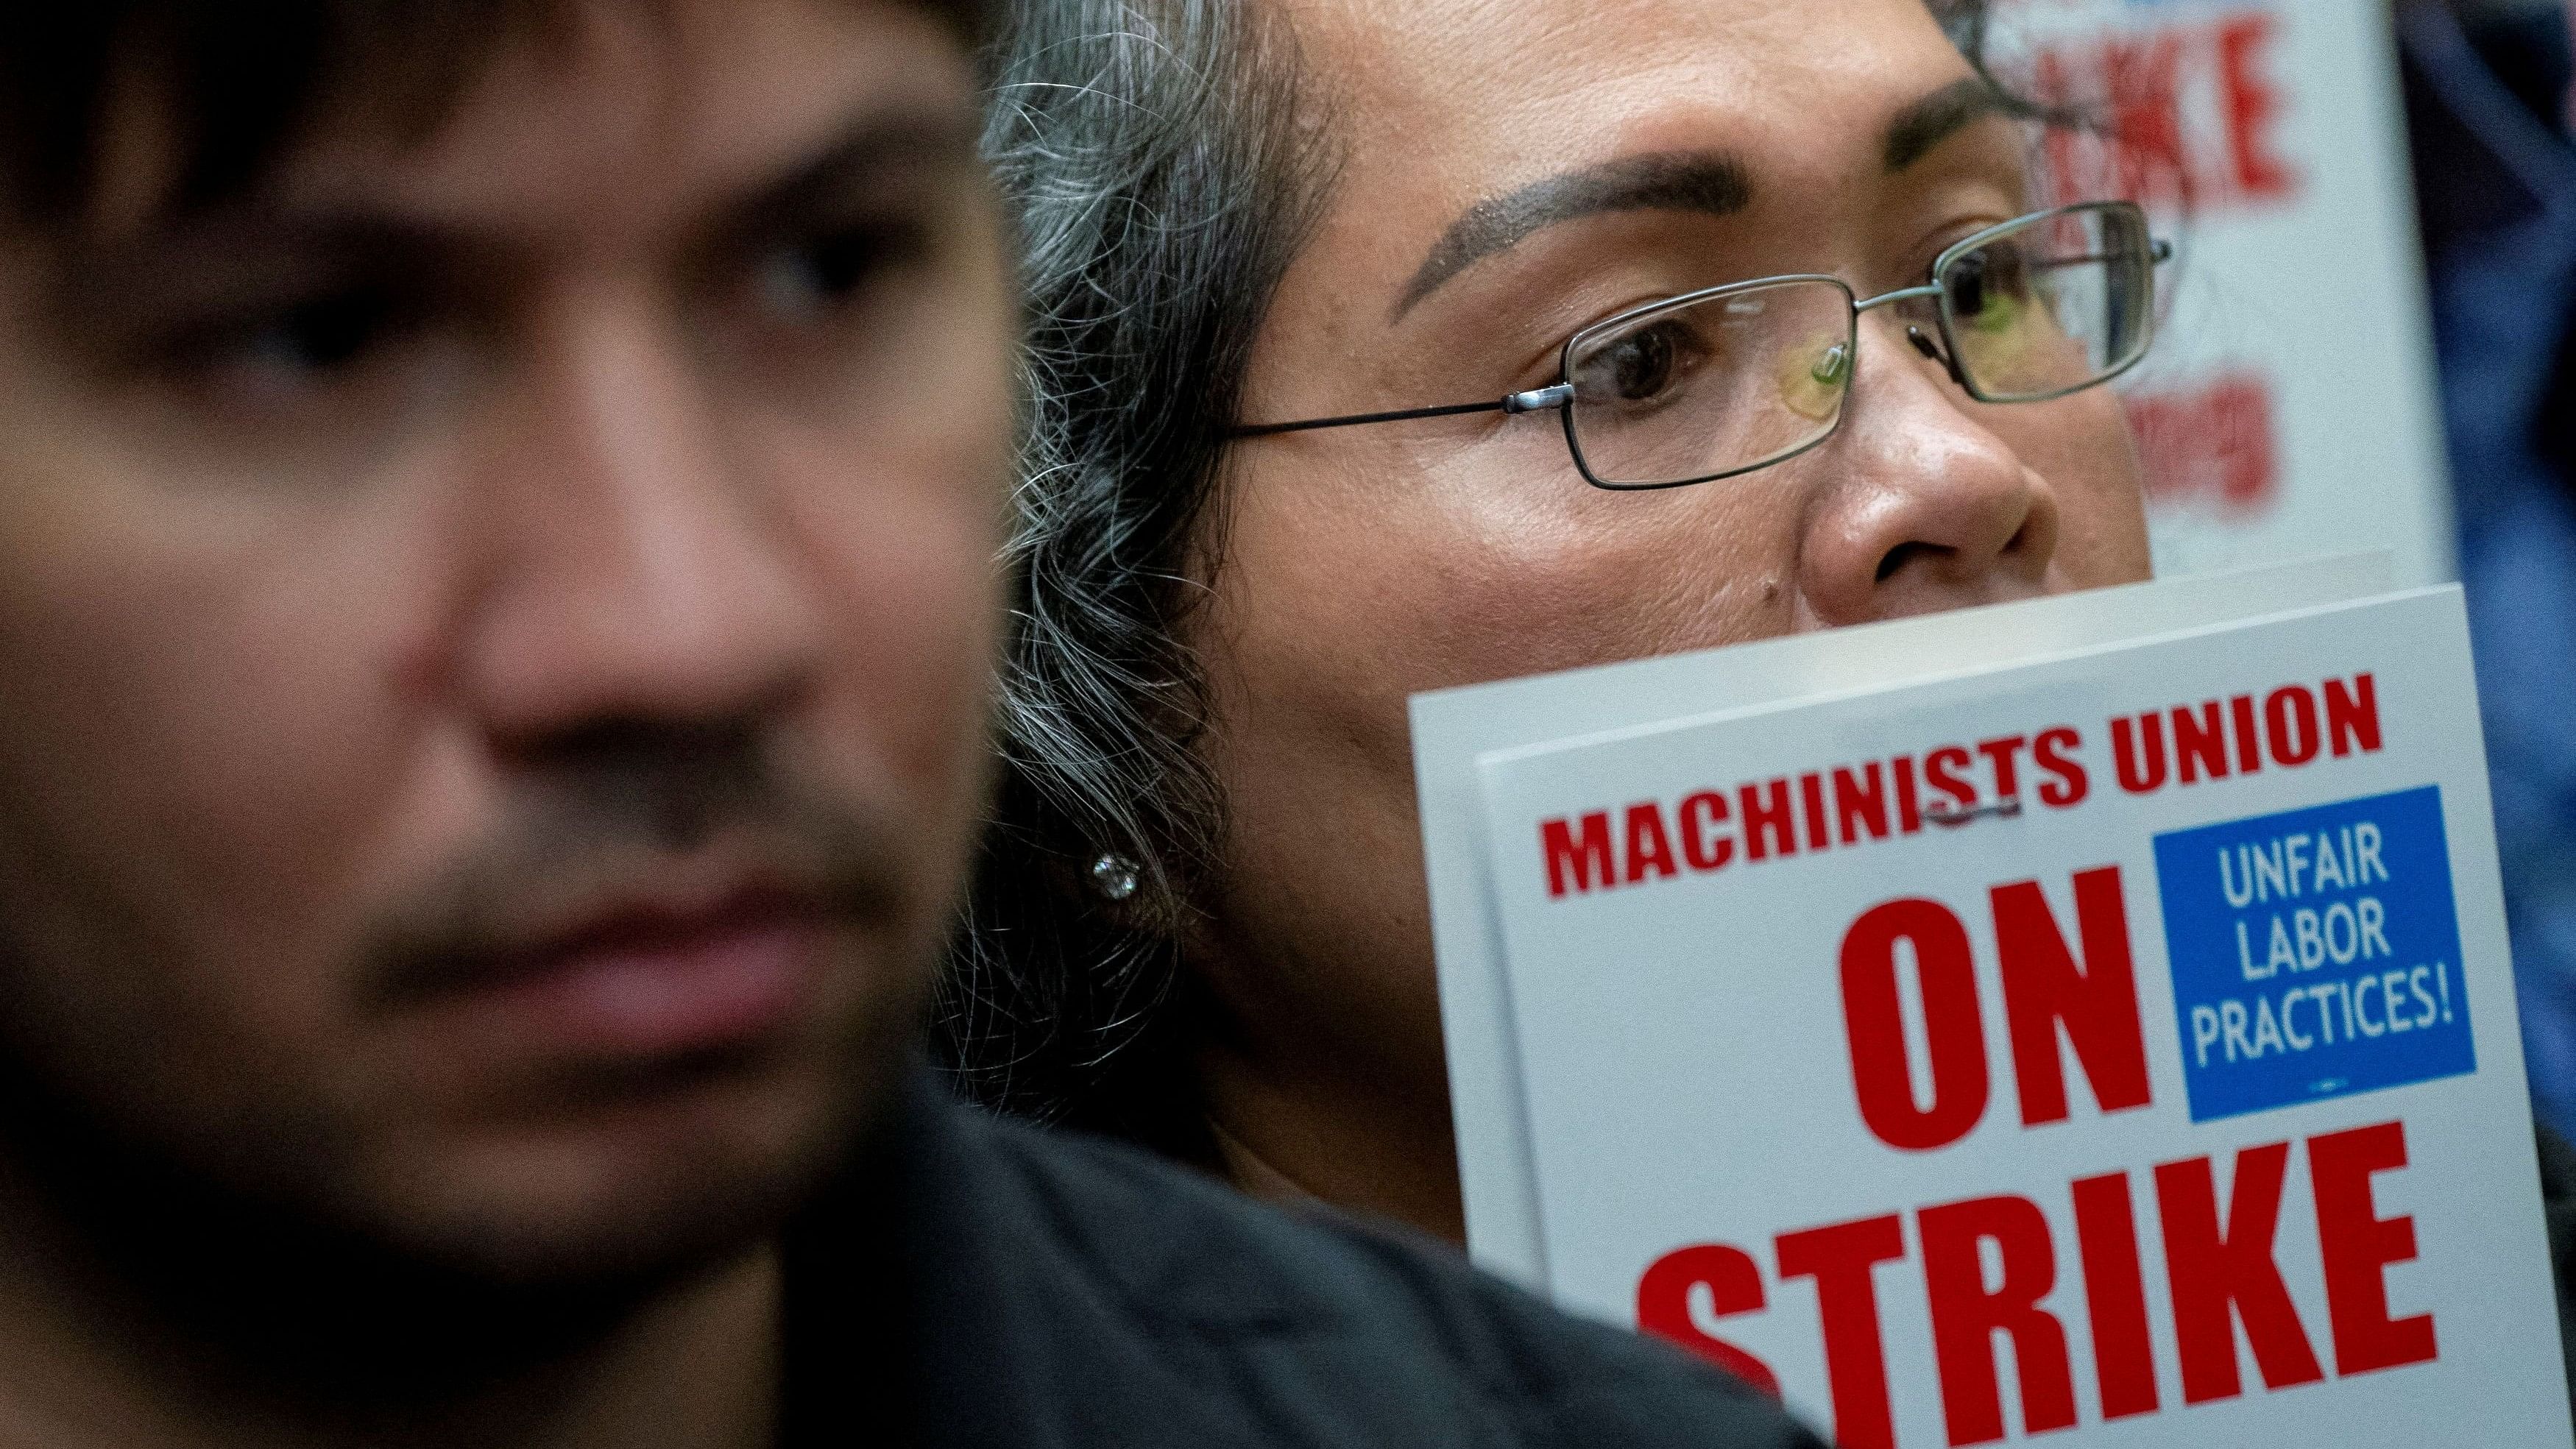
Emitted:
<point x="1383" y="347"/>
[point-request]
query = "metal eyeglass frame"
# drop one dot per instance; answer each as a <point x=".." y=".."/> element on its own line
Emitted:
<point x="1560" y="394"/>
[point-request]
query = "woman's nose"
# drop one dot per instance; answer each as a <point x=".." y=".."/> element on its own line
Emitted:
<point x="1921" y="508"/>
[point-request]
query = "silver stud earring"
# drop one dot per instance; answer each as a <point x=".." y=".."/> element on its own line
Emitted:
<point x="1114" y="876"/>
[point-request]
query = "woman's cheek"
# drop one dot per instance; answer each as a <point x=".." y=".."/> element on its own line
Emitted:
<point x="2082" y="447"/>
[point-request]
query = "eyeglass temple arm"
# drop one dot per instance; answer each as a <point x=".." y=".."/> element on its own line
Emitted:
<point x="1535" y="400"/>
<point x="2160" y="251"/>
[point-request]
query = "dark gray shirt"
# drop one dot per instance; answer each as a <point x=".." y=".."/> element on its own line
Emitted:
<point x="971" y="1282"/>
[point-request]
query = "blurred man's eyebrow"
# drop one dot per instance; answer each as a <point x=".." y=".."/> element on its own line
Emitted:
<point x="237" y="245"/>
<point x="1924" y="125"/>
<point x="818" y="176"/>
<point x="872" y="145"/>
<point x="1714" y="183"/>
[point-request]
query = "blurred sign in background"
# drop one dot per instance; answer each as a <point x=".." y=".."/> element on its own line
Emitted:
<point x="2290" y="406"/>
<point x="2360" y="353"/>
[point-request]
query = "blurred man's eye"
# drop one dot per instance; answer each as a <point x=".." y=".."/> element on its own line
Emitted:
<point x="283" y="377"/>
<point x="834" y="312"/>
<point x="298" y="345"/>
<point x="815" y="278"/>
<point x="294" y="350"/>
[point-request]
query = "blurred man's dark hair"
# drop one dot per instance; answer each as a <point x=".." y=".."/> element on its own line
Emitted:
<point x="239" y="79"/>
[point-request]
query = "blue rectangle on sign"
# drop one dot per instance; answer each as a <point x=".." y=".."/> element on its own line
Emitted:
<point x="2316" y="953"/>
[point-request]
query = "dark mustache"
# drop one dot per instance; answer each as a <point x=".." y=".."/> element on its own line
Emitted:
<point x="617" y="806"/>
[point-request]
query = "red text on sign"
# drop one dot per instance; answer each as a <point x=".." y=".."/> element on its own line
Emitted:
<point x="2222" y="1274"/>
<point x="2048" y="992"/>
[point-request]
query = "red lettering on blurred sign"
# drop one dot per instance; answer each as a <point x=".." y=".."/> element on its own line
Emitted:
<point x="2187" y="117"/>
<point x="2211" y="445"/>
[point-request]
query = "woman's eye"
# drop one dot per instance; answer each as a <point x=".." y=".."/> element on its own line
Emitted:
<point x="1988" y="287"/>
<point x="1640" y="367"/>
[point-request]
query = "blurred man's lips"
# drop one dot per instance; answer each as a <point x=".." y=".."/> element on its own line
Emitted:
<point x="642" y="982"/>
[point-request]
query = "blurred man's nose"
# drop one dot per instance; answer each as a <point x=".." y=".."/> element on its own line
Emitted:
<point x="639" y="572"/>
<point x="1920" y="508"/>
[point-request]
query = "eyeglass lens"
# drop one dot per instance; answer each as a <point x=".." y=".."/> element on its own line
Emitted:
<point x="2057" y="304"/>
<point x="1699" y="390"/>
<point x="1748" y="376"/>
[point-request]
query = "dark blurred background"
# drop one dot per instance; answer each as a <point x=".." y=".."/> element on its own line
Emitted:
<point x="2488" y="102"/>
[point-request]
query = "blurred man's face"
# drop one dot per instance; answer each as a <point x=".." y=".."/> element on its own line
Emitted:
<point x="495" y="628"/>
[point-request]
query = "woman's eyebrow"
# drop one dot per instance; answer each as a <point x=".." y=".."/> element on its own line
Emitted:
<point x="1927" y="123"/>
<point x="1713" y="182"/>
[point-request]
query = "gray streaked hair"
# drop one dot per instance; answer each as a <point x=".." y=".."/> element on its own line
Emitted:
<point x="1162" y="164"/>
<point x="1166" y="160"/>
